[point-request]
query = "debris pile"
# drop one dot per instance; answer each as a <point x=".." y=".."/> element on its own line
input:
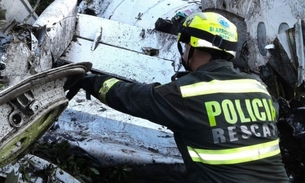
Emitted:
<point x="291" y="127"/>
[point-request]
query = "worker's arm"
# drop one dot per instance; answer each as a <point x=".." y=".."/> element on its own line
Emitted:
<point x="158" y="103"/>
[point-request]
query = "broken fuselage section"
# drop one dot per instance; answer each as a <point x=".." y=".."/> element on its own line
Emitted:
<point x="32" y="89"/>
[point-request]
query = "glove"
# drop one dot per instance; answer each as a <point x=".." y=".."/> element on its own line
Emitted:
<point x="74" y="90"/>
<point x="91" y="83"/>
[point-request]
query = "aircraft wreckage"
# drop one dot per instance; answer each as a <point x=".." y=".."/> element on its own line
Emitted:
<point x="41" y="57"/>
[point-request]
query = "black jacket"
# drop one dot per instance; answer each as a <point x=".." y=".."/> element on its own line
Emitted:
<point x="224" y="122"/>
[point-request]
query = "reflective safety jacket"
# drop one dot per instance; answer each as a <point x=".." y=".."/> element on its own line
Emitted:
<point x="224" y="122"/>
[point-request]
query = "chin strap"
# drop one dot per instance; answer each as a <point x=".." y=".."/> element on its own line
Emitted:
<point x="185" y="63"/>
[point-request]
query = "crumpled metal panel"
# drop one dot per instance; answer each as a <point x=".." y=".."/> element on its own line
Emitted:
<point x="30" y="107"/>
<point x="113" y="137"/>
<point x="288" y="55"/>
<point x="54" y="30"/>
<point x="28" y="50"/>
<point x="269" y="14"/>
<point x="32" y="92"/>
<point x="17" y="59"/>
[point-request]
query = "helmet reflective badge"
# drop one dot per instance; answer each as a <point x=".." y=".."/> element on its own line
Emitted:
<point x="223" y="22"/>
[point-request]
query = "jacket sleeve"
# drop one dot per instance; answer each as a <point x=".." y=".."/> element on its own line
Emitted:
<point x="161" y="104"/>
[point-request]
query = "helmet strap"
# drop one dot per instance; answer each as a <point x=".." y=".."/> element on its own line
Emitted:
<point x="191" y="52"/>
<point x="185" y="63"/>
<point x="182" y="62"/>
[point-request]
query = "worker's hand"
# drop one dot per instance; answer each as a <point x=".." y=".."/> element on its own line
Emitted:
<point x="91" y="83"/>
<point x="72" y="91"/>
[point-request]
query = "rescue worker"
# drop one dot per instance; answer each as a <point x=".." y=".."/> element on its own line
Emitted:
<point x="224" y="121"/>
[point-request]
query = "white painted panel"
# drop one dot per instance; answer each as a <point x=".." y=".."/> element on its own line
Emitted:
<point x="143" y="13"/>
<point x="128" y="37"/>
<point x="133" y="65"/>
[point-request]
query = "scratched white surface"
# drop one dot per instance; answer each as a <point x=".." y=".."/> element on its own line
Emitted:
<point x="138" y="12"/>
<point x="116" y="137"/>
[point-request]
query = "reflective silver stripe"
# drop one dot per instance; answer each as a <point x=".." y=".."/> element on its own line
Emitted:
<point x="105" y="88"/>
<point x="235" y="155"/>
<point x="219" y="86"/>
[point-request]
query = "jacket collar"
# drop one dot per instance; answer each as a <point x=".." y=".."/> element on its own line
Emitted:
<point x="216" y="65"/>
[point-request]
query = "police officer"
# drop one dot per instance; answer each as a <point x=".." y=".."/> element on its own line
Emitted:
<point x="224" y="122"/>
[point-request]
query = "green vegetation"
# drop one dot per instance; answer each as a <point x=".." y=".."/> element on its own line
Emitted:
<point x="41" y="6"/>
<point x="80" y="164"/>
